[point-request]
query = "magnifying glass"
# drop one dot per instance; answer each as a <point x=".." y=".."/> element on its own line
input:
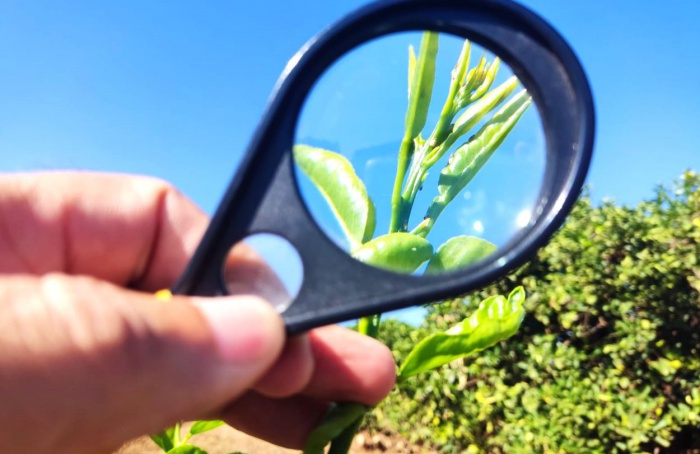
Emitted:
<point x="415" y="151"/>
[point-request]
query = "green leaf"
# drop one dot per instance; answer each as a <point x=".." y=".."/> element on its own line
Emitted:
<point x="411" y="69"/>
<point x="401" y="252"/>
<point x="369" y="326"/>
<point x="336" y="421"/>
<point x="187" y="449"/>
<point x="496" y="319"/>
<point x="166" y="439"/>
<point x="473" y="81"/>
<point x="204" y="426"/>
<point x="468" y="159"/>
<point x="459" y="73"/>
<point x="458" y="252"/>
<point x="452" y="103"/>
<point x="344" y="191"/>
<point x="474" y="114"/>
<point x="422" y="82"/>
<point x="342" y="443"/>
<point x="478" y="83"/>
<point x="662" y="441"/>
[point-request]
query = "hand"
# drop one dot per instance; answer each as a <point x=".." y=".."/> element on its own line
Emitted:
<point x="89" y="358"/>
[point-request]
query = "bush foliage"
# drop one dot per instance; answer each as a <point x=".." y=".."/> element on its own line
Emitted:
<point x="607" y="359"/>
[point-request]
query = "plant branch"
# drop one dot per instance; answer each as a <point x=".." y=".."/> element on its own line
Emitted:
<point x="369" y="326"/>
<point x="420" y="92"/>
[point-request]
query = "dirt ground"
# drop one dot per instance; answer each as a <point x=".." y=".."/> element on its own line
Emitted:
<point x="225" y="440"/>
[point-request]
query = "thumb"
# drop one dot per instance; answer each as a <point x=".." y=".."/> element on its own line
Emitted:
<point x="116" y="363"/>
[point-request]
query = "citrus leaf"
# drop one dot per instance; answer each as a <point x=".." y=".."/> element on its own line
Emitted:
<point x="422" y="82"/>
<point x="468" y="159"/>
<point x="411" y="69"/>
<point x="480" y="82"/>
<point x="471" y="157"/>
<point x="165" y="439"/>
<point x="473" y="115"/>
<point x="344" y="191"/>
<point x="187" y="449"/>
<point x="342" y="443"/>
<point x="496" y="319"/>
<point x="336" y="421"/>
<point x="205" y="426"/>
<point x="479" y="109"/>
<point x="400" y="251"/>
<point x="458" y="252"/>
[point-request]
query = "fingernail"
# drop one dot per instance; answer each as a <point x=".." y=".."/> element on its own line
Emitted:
<point x="247" y="330"/>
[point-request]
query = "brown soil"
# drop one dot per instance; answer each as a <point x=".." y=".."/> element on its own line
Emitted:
<point x="225" y="440"/>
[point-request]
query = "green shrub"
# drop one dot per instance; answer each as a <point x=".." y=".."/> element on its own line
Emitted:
<point x="607" y="359"/>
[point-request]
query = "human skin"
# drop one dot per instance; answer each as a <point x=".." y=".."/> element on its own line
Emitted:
<point x="89" y="358"/>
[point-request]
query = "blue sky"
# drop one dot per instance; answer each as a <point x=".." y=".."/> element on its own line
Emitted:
<point x="175" y="89"/>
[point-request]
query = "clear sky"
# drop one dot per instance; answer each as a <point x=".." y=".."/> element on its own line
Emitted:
<point x="175" y="89"/>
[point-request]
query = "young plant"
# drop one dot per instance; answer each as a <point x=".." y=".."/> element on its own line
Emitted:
<point x="496" y="319"/>
<point x="405" y="249"/>
<point x="471" y="101"/>
<point x="171" y="440"/>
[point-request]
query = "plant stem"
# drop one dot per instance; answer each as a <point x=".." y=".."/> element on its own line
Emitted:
<point x="436" y="207"/>
<point x="440" y="134"/>
<point x="420" y="92"/>
<point x="405" y="152"/>
<point x="177" y="441"/>
<point x="342" y="443"/>
<point x="369" y="326"/>
<point x="451" y="106"/>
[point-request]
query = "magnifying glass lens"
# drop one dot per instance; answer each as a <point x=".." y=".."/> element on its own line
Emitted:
<point x="420" y="152"/>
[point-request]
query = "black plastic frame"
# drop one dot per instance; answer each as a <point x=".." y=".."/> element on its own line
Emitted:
<point x="263" y="196"/>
